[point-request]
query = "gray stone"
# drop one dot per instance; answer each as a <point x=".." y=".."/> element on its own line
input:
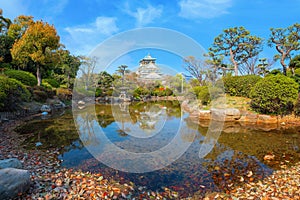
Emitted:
<point x="45" y="108"/>
<point x="10" y="163"/>
<point x="228" y="114"/>
<point x="13" y="181"/>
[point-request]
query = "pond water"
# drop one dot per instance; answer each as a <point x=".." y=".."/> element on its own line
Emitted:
<point x="233" y="158"/>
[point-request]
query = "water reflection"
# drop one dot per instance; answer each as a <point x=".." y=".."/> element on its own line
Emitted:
<point x="134" y="154"/>
<point x="234" y="155"/>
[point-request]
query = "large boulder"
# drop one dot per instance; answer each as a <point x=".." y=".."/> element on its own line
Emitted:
<point x="204" y="114"/>
<point x="227" y="114"/>
<point x="267" y="119"/>
<point x="201" y="114"/>
<point x="10" y="163"/>
<point x="13" y="181"/>
<point x="249" y="117"/>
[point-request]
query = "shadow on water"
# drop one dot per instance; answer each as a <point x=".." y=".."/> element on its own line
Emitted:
<point x="236" y="158"/>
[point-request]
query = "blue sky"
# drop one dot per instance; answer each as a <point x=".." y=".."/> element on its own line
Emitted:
<point x="82" y="24"/>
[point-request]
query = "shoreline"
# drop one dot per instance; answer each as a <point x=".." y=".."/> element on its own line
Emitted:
<point x="235" y="119"/>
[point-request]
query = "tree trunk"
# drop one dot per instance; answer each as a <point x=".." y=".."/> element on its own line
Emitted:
<point x="38" y="75"/>
<point x="68" y="83"/>
<point x="283" y="64"/>
<point x="236" y="68"/>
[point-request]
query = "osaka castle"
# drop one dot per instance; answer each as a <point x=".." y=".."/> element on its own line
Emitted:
<point x="148" y="71"/>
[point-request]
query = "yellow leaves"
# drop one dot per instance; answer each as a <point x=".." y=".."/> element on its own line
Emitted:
<point x="35" y="42"/>
<point x="20" y="25"/>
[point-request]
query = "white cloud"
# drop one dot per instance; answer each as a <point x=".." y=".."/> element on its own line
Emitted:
<point x="82" y="39"/>
<point x="102" y="25"/>
<point x="106" y="25"/>
<point x="144" y="16"/>
<point x="195" y="9"/>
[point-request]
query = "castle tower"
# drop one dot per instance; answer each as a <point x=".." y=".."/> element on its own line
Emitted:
<point x="148" y="71"/>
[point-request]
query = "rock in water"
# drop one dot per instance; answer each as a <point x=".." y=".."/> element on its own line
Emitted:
<point x="10" y="163"/>
<point x="13" y="181"/>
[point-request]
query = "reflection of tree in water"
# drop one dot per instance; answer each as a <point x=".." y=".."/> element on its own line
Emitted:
<point x="121" y="114"/>
<point x="104" y="115"/>
<point x="85" y="121"/>
<point x="52" y="133"/>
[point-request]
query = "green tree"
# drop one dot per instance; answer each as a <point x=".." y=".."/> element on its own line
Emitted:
<point x="6" y="44"/>
<point x="105" y="82"/>
<point x="122" y="70"/>
<point x="237" y="44"/>
<point x="285" y="40"/>
<point x="66" y="67"/>
<point x="263" y="67"/>
<point x="19" y="26"/>
<point x="217" y="65"/>
<point x="197" y="68"/>
<point x="4" y="23"/>
<point x="87" y="67"/>
<point x="294" y="64"/>
<point x="36" y="44"/>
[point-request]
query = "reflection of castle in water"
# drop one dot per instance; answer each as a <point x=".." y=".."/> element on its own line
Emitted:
<point x="150" y="118"/>
<point x="147" y="119"/>
<point x="148" y="71"/>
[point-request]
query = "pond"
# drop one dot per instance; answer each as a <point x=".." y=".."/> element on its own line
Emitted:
<point x="229" y="159"/>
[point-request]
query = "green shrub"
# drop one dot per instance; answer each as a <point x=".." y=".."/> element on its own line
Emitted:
<point x="24" y="77"/>
<point x="215" y="92"/>
<point x="12" y="92"/>
<point x="168" y="92"/>
<point x="204" y="95"/>
<point x="296" y="77"/>
<point x="51" y="82"/>
<point x="98" y="92"/>
<point x="275" y="94"/>
<point x="297" y="106"/>
<point x="64" y="94"/>
<point x="140" y="91"/>
<point x="162" y="92"/>
<point x="240" y="85"/>
<point x="196" y="90"/>
<point x="46" y="85"/>
<point x="39" y="95"/>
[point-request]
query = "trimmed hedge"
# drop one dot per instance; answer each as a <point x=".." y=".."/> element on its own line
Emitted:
<point x="240" y="85"/>
<point x="24" y="77"/>
<point x="51" y="82"/>
<point x="12" y="92"/>
<point x="275" y="94"/>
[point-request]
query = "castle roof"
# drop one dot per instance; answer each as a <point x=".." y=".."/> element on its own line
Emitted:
<point x="148" y="58"/>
